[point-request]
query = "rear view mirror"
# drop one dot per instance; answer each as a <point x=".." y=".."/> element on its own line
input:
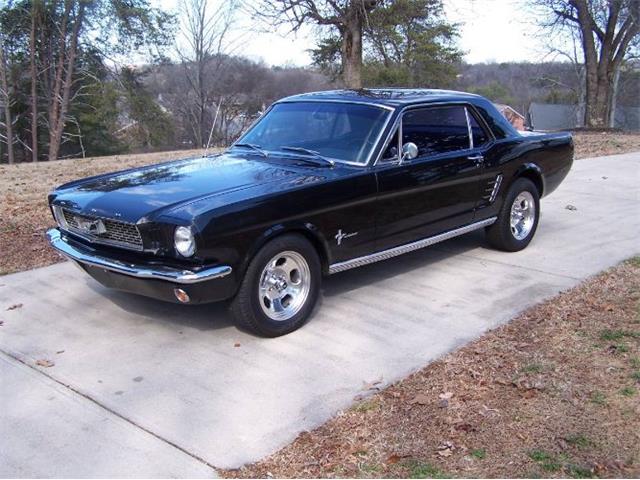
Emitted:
<point x="409" y="151"/>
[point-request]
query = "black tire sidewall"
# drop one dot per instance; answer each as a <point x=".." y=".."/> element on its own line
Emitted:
<point x="247" y="308"/>
<point x="500" y="234"/>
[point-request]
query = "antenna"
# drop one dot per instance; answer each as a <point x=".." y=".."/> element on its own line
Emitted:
<point x="215" y="118"/>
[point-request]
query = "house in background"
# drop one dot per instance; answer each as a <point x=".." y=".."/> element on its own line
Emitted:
<point x="515" y="118"/>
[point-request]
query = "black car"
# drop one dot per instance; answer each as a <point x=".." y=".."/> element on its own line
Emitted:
<point x="320" y="183"/>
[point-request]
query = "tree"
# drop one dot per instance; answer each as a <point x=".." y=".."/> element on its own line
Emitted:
<point x="347" y="17"/>
<point x="50" y="41"/>
<point x="608" y="33"/>
<point x="35" y="20"/>
<point x="405" y="43"/>
<point x="410" y="43"/>
<point x="202" y="54"/>
<point x="150" y="126"/>
<point x="5" y="95"/>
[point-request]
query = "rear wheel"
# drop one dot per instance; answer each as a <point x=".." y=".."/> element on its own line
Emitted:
<point x="518" y="218"/>
<point x="280" y="287"/>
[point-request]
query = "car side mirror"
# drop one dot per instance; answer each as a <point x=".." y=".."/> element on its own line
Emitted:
<point x="409" y="151"/>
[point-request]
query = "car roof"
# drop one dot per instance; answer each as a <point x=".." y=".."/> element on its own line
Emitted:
<point x="389" y="97"/>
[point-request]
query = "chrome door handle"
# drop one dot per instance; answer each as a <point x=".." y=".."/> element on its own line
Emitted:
<point x="476" y="158"/>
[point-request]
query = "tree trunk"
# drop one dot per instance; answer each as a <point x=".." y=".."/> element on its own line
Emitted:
<point x="58" y="122"/>
<point x="7" y="104"/>
<point x="34" y="80"/>
<point x="352" y="53"/>
<point x="54" y="108"/>
<point x="613" y="99"/>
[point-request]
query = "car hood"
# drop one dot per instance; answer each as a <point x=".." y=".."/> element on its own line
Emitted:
<point x="142" y="194"/>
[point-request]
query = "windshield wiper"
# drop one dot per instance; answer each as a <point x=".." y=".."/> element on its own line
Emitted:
<point x="313" y="153"/>
<point x="253" y="146"/>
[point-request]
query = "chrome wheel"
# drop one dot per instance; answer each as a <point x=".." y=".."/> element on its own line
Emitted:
<point x="523" y="215"/>
<point x="284" y="285"/>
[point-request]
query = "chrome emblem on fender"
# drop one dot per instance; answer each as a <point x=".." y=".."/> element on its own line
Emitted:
<point x="341" y="236"/>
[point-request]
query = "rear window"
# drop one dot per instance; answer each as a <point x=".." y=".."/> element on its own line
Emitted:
<point x="436" y="129"/>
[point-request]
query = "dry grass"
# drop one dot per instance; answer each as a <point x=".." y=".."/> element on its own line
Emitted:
<point x="24" y="212"/>
<point x="597" y="144"/>
<point x="25" y="216"/>
<point x="554" y="393"/>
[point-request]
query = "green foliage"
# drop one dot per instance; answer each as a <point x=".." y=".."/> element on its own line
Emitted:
<point x="579" y="441"/>
<point x="150" y="127"/>
<point x="406" y="43"/>
<point x="327" y="56"/>
<point x="613" y="335"/>
<point x="479" y="453"/>
<point x="425" y="470"/>
<point x="598" y="398"/>
<point x="577" y="471"/>
<point x="410" y="43"/>
<point x="546" y="460"/>
<point x="96" y="116"/>
<point x="105" y="29"/>
<point x="539" y="455"/>
<point x="494" y="92"/>
<point x="628" y="391"/>
<point x="533" y="368"/>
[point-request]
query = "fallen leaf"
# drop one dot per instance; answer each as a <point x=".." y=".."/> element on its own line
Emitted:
<point x="372" y="385"/>
<point x="420" y="399"/>
<point x="236" y="345"/>
<point x="528" y="393"/>
<point x="445" y="449"/>
<point x="395" y="458"/>
<point x="464" y="427"/>
<point x="44" y="363"/>
<point x="14" y="307"/>
<point x="59" y="352"/>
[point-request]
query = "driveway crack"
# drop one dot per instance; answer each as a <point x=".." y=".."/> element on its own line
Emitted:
<point x="70" y="387"/>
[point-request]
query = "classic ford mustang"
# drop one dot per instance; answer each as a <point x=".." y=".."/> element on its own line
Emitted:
<point x="320" y="183"/>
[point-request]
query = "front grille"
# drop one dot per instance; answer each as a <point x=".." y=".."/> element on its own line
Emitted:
<point x="115" y="232"/>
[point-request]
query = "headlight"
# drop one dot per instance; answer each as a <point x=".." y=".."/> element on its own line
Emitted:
<point x="184" y="242"/>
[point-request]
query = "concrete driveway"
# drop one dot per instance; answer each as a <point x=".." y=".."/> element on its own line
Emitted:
<point x="143" y="388"/>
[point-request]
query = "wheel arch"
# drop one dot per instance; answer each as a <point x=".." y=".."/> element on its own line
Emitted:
<point x="532" y="172"/>
<point x="304" y="229"/>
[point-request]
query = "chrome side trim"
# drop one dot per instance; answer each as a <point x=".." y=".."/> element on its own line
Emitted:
<point x="496" y="187"/>
<point x="409" y="247"/>
<point x="59" y="242"/>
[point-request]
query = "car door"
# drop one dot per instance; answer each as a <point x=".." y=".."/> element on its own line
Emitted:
<point x="437" y="190"/>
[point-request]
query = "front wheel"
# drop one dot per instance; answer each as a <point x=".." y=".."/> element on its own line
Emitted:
<point x="280" y="287"/>
<point x="518" y="218"/>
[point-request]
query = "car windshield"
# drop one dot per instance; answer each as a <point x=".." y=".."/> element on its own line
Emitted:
<point x="340" y="131"/>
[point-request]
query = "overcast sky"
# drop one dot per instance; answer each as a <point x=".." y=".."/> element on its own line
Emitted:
<point x="491" y="30"/>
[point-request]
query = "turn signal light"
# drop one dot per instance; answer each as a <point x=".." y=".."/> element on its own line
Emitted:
<point x="181" y="295"/>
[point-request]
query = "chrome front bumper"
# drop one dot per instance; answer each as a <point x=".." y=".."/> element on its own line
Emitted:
<point x="58" y="240"/>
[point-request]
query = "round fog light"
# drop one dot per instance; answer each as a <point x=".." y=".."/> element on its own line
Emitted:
<point x="181" y="295"/>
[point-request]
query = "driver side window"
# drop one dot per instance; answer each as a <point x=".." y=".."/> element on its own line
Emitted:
<point x="436" y="130"/>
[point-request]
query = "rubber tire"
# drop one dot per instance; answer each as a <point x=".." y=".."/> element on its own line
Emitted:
<point x="245" y="306"/>
<point x="499" y="234"/>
